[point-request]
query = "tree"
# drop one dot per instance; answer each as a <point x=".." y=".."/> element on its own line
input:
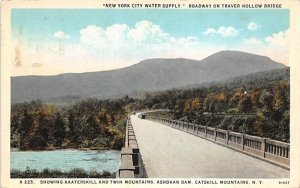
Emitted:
<point x="206" y="104"/>
<point x="255" y="98"/>
<point x="245" y="104"/>
<point x="266" y="99"/>
<point x="71" y="133"/>
<point x="58" y="130"/>
<point x="284" y="127"/>
<point x="24" y="130"/>
<point x="92" y="127"/>
<point x="279" y="101"/>
<point x="235" y="99"/>
<point x="41" y="137"/>
<point x="220" y="103"/>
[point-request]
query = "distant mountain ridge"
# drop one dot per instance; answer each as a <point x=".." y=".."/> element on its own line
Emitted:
<point x="148" y="75"/>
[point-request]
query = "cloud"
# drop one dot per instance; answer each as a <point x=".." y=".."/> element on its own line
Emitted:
<point x="143" y="40"/>
<point x="117" y="32"/>
<point x="61" y="35"/>
<point x="146" y="31"/>
<point x="274" y="46"/>
<point x="223" y="31"/>
<point x="251" y="42"/>
<point x="279" y="39"/>
<point x="210" y="31"/>
<point x="275" y="40"/>
<point x="253" y="26"/>
<point x="92" y="35"/>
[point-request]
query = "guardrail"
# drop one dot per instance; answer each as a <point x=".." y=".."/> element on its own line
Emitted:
<point x="269" y="150"/>
<point x="130" y="163"/>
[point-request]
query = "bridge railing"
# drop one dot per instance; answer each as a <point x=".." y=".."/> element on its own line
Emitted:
<point x="264" y="148"/>
<point x="130" y="163"/>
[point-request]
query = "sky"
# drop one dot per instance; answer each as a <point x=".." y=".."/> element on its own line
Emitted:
<point x="55" y="41"/>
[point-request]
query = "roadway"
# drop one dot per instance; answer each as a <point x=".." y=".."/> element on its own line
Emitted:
<point x="171" y="153"/>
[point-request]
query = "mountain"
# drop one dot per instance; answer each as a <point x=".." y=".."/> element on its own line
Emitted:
<point x="247" y="80"/>
<point x="148" y="75"/>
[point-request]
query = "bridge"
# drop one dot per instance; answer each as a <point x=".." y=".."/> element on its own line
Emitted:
<point x="163" y="148"/>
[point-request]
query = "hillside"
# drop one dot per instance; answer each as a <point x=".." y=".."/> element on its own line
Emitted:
<point x="148" y="75"/>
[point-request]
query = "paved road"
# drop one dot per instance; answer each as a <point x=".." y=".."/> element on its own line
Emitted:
<point x="171" y="153"/>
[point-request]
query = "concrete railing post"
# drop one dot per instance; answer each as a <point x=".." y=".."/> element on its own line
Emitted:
<point x="263" y="147"/>
<point x="242" y="141"/>
<point x="227" y="137"/>
<point x="194" y="128"/>
<point x="288" y="152"/>
<point x="215" y="134"/>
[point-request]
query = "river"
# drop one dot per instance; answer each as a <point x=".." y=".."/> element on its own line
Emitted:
<point x="65" y="160"/>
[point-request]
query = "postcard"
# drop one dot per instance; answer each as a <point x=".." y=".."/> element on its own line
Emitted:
<point x="149" y="93"/>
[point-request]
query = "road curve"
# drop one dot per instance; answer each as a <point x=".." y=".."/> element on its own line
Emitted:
<point x="171" y="153"/>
